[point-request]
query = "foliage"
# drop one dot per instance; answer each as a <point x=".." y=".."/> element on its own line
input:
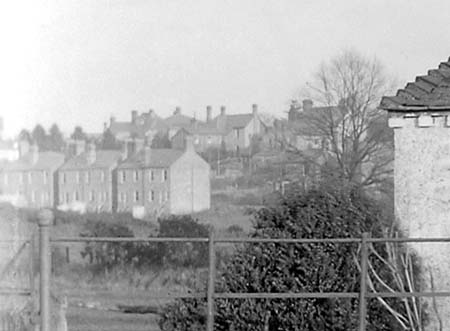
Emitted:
<point x="79" y="134"/>
<point x="25" y="135"/>
<point x="278" y="267"/>
<point x="103" y="256"/>
<point x="161" y="140"/>
<point x="357" y="136"/>
<point x="56" y="139"/>
<point x="109" y="141"/>
<point x="190" y="254"/>
<point x="51" y="141"/>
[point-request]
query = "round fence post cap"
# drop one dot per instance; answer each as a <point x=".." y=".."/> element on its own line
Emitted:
<point x="45" y="217"/>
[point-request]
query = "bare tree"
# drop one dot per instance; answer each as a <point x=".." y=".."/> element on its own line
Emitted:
<point x="348" y="89"/>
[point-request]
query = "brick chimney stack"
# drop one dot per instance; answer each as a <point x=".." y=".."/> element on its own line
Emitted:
<point x="134" y="115"/>
<point x="24" y="147"/>
<point x="34" y="152"/>
<point x="208" y="114"/>
<point x="147" y="154"/>
<point x="91" y="153"/>
<point x="307" y="104"/>
<point x="255" y="109"/>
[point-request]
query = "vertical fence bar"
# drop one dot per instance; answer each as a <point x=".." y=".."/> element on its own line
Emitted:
<point x="363" y="283"/>
<point x="211" y="278"/>
<point x="45" y="221"/>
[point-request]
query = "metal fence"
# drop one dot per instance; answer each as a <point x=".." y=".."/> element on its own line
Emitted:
<point x="45" y="242"/>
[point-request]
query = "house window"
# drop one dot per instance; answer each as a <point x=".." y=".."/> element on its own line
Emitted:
<point x="45" y="175"/>
<point x="67" y="198"/>
<point x="105" y="196"/>
<point x="166" y="196"/>
<point x="236" y="133"/>
<point x="123" y="197"/>
<point x="64" y="178"/>
<point x="88" y="177"/>
<point x="78" y="177"/>
<point x="33" y="196"/>
<point x="102" y="176"/>
<point x="136" y="176"/>
<point x="152" y="175"/>
<point x="29" y="178"/>
<point x="165" y="175"/>
<point x="76" y="196"/>
<point x="151" y="196"/>
<point x="21" y="178"/>
<point x="136" y="196"/>
<point x="5" y="179"/>
<point x="123" y="176"/>
<point x="160" y="197"/>
<point x="91" y="196"/>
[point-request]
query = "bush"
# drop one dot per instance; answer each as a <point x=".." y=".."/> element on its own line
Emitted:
<point x="103" y="256"/>
<point x="183" y="254"/>
<point x="279" y="267"/>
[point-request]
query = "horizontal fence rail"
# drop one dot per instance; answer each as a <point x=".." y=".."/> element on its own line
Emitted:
<point x="46" y="241"/>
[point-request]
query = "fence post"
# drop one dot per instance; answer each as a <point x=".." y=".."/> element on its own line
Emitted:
<point x="45" y="221"/>
<point x="211" y="278"/>
<point x="363" y="283"/>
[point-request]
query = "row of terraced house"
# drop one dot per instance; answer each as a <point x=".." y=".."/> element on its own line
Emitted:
<point x="136" y="179"/>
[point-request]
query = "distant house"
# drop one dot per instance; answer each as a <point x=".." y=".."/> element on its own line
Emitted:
<point x="141" y="126"/>
<point x="31" y="180"/>
<point x="178" y="121"/>
<point x="231" y="131"/>
<point x="88" y="178"/>
<point x="163" y="181"/>
<point x="303" y="122"/>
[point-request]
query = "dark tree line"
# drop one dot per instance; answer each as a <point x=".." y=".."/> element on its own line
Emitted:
<point x="53" y="140"/>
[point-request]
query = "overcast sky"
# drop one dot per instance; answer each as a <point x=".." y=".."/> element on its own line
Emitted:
<point x="77" y="62"/>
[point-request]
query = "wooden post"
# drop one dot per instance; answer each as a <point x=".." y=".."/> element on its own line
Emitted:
<point x="211" y="278"/>
<point x="45" y="221"/>
<point x="363" y="283"/>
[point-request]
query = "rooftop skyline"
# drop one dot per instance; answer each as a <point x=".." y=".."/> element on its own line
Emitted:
<point x="79" y="62"/>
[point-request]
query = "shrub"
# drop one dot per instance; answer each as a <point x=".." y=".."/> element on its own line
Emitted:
<point x="278" y="267"/>
<point x="103" y="256"/>
<point x="183" y="254"/>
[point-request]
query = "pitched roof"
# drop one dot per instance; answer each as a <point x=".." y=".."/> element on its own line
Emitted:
<point x="306" y="121"/>
<point x="139" y="129"/>
<point x="103" y="159"/>
<point x="179" y="120"/>
<point x="45" y="161"/>
<point x="233" y="121"/>
<point x="159" y="158"/>
<point x="429" y="92"/>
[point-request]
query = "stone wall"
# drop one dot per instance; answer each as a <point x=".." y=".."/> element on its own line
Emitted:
<point x="422" y="198"/>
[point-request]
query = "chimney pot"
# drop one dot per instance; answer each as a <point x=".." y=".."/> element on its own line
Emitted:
<point x="177" y="111"/>
<point x="222" y="110"/>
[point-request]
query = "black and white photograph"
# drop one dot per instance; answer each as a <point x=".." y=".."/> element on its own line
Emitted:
<point x="224" y="165"/>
